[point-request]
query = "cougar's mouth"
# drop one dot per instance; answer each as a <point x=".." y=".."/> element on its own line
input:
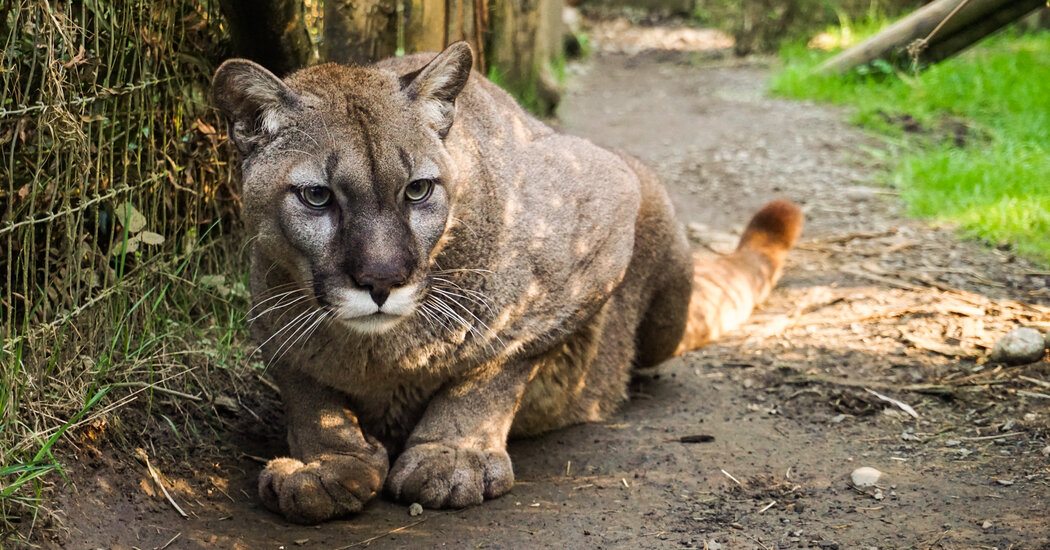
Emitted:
<point x="358" y="310"/>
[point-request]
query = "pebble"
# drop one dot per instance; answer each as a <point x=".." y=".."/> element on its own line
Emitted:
<point x="1046" y="450"/>
<point x="865" y="477"/>
<point x="712" y="545"/>
<point x="1019" y="346"/>
<point x="415" y="509"/>
<point x="986" y="525"/>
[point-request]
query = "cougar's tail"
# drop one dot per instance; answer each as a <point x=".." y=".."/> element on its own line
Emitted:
<point x="725" y="290"/>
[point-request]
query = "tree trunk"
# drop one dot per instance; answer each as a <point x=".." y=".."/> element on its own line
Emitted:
<point x="359" y="31"/>
<point x="426" y="26"/>
<point x="270" y="32"/>
<point x="526" y="35"/>
<point x="973" y="20"/>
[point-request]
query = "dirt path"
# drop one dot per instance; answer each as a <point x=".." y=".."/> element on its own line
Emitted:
<point x="869" y="301"/>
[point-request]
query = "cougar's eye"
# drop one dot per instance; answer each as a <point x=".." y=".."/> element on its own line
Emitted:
<point x="315" y="196"/>
<point x="419" y="190"/>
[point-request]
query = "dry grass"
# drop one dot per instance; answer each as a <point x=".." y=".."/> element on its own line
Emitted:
<point x="119" y="279"/>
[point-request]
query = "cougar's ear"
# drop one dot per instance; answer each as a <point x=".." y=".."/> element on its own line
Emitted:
<point x="434" y="87"/>
<point x="254" y="100"/>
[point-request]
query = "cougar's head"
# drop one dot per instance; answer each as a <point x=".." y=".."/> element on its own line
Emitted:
<point x="346" y="178"/>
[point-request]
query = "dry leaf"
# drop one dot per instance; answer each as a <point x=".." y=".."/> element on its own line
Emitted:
<point x="149" y="237"/>
<point x="130" y="218"/>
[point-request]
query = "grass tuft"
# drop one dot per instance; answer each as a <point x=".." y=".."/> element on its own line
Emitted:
<point x="993" y="182"/>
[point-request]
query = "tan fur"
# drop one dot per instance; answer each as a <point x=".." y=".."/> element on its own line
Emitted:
<point x="543" y="269"/>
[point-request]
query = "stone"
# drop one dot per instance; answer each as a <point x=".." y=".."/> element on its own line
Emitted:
<point x="865" y="477"/>
<point x="1019" y="346"/>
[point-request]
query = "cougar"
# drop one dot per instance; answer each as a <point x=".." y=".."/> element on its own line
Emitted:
<point x="433" y="270"/>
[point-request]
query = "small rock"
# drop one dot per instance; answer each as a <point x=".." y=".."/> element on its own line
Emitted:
<point x="1004" y="482"/>
<point x="1019" y="346"/>
<point x="865" y="477"/>
<point x="953" y="443"/>
<point x="986" y="525"/>
<point x="1046" y="450"/>
<point x="838" y="418"/>
<point x="712" y="545"/>
<point x="415" y="509"/>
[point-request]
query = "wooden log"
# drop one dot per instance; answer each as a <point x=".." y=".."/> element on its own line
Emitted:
<point x="939" y="50"/>
<point x="359" y="31"/>
<point x="892" y="42"/>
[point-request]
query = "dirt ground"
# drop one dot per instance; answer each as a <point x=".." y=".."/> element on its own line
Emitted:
<point x="745" y="444"/>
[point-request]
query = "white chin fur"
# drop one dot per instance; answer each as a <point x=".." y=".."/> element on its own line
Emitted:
<point x="356" y="309"/>
<point x="372" y="324"/>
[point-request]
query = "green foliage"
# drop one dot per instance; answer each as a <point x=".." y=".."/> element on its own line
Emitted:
<point x="763" y="25"/>
<point x="537" y="94"/>
<point x="995" y="185"/>
<point x="117" y="201"/>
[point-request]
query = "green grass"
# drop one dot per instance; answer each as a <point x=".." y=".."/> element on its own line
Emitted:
<point x="997" y="186"/>
<point x="170" y="336"/>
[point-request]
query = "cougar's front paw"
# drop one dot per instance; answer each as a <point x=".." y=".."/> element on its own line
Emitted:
<point x="332" y="486"/>
<point x="440" y="476"/>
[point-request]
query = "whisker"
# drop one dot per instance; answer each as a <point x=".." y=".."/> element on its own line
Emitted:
<point x="275" y="307"/>
<point x="283" y="329"/>
<point x="294" y="336"/>
<point x="308" y="136"/>
<point x="475" y="296"/>
<point x="438" y="317"/>
<point x="277" y="297"/>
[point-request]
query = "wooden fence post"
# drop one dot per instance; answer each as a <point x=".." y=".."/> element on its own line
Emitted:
<point x="359" y="31"/>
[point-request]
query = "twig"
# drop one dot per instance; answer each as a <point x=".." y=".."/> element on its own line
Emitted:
<point x="902" y="405"/>
<point x="157" y="388"/>
<point x="1035" y="381"/>
<point x="730" y="476"/>
<point x="767" y="507"/>
<point x="163" y="489"/>
<point x="167" y="544"/>
<point x="880" y="279"/>
<point x="990" y="437"/>
<point x="758" y="542"/>
<point x="370" y="540"/>
<point x="1033" y="394"/>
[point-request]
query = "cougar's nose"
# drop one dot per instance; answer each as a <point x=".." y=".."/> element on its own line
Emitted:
<point x="379" y="284"/>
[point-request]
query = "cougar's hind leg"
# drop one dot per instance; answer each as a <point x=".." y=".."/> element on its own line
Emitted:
<point x="659" y="276"/>
<point x="664" y="322"/>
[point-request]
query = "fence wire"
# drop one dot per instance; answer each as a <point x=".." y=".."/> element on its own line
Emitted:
<point x="111" y="157"/>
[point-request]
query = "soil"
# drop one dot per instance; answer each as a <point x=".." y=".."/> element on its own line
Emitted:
<point x="748" y="443"/>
